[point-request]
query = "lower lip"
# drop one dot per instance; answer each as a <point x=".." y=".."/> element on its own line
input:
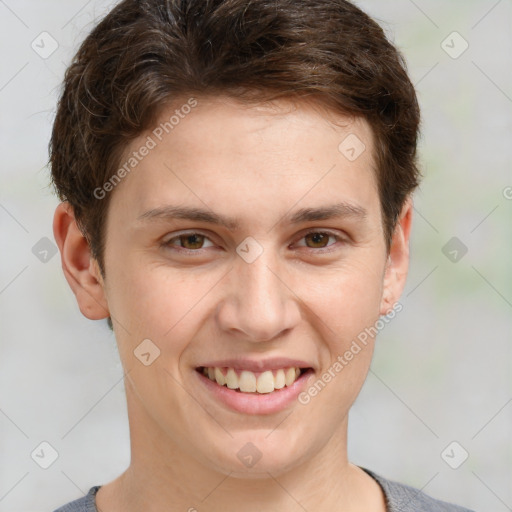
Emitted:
<point x="256" y="403"/>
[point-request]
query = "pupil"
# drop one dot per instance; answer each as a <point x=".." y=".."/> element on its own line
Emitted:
<point x="193" y="240"/>
<point x="318" y="237"/>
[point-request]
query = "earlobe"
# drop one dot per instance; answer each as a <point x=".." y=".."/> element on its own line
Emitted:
<point x="397" y="265"/>
<point x="80" y="268"/>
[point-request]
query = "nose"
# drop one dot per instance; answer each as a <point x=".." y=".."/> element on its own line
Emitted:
<point x="259" y="304"/>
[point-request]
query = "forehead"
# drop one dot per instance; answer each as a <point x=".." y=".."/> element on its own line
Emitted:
<point x="236" y="123"/>
<point x="219" y="153"/>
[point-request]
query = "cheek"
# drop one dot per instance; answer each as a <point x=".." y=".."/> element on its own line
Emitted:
<point x="346" y="304"/>
<point x="346" y="299"/>
<point x="164" y="306"/>
<point x="146" y="302"/>
<point x="349" y="311"/>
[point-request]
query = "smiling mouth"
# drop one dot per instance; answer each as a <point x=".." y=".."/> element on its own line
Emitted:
<point x="245" y="381"/>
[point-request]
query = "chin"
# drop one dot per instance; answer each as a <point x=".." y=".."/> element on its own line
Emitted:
<point x="255" y="455"/>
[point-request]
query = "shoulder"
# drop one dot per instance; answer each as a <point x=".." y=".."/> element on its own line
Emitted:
<point x="85" y="504"/>
<point x="403" y="498"/>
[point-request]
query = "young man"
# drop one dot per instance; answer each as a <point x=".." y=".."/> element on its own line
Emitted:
<point x="236" y="182"/>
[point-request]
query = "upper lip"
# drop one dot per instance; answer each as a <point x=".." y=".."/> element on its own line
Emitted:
<point x="257" y="365"/>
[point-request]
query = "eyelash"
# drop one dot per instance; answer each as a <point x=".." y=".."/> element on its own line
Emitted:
<point x="322" y="250"/>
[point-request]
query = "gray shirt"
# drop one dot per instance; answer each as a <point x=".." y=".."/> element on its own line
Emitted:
<point x="399" y="498"/>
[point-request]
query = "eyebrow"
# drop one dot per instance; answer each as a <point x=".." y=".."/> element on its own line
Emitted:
<point x="334" y="211"/>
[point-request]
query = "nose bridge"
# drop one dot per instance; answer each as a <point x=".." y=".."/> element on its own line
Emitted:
<point x="259" y="285"/>
<point x="259" y="304"/>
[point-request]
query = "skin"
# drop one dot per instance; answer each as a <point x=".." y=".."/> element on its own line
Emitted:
<point x="256" y="164"/>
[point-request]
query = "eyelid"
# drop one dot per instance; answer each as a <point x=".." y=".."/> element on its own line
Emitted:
<point x="329" y="248"/>
<point x="166" y="240"/>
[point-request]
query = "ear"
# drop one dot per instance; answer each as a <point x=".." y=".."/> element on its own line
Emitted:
<point x="397" y="265"/>
<point x="80" y="268"/>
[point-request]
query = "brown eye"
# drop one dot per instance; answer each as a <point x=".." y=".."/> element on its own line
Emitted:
<point x="317" y="240"/>
<point x="191" y="241"/>
<point x="188" y="241"/>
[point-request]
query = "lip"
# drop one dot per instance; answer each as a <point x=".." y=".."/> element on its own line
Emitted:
<point x="255" y="403"/>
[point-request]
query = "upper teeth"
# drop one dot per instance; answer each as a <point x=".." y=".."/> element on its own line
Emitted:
<point x="249" y="382"/>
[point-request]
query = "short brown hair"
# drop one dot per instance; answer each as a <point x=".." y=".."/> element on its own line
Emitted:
<point x="145" y="53"/>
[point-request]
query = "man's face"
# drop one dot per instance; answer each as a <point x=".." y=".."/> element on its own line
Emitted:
<point x="291" y="285"/>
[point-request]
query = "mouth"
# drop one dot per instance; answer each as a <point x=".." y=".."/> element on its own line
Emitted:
<point x="246" y="381"/>
<point x="263" y="391"/>
<point x="253" y="387"/>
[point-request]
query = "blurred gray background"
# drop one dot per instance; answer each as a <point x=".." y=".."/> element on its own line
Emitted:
<point x="440" y="388"/>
